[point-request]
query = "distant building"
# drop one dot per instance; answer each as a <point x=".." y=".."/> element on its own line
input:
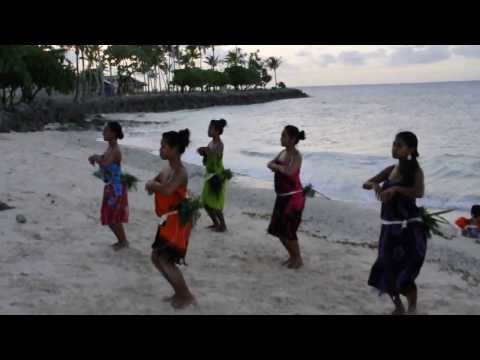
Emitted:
<point x="132" y="85"/>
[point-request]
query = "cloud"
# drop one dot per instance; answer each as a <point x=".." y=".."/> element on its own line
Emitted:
<point x="380" y="53"/>
<point x="471" y="51"/>
<point x="354" y="58"/>
<point x="303" y="53"/>
<point x="220" y="50"/>
<point x="327" y="59"/>
<point x="423" y="54"/>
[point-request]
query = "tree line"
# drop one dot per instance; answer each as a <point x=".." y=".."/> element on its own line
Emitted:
<point x="28" y="69"/>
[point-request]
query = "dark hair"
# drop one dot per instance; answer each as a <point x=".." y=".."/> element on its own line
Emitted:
<point x="116" y="128"/>
<point x="295" y="133"/>
<point x="219" y="125"/>
<point x="409" y="167"/>
<point x="475" y="210"/>
<point x="177" y="139"/>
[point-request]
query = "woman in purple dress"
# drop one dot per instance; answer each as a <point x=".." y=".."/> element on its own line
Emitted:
<point x="403" y="242"/>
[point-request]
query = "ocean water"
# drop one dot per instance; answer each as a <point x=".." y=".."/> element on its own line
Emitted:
<point x="349" y="131"/>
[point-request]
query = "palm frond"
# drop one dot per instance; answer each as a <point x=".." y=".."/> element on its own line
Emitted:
<point x="189" y="210"/>
<point x="128" y="179"/>
<point x="432" y="222"/>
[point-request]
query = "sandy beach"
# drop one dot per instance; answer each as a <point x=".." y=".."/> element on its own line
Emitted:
<point x="60" y="262"/>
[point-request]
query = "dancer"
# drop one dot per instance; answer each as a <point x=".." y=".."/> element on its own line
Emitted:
<point x="213" y="194"/>
<point x="402" y="244"/>
<point x="171" y="240"/>
<point x="290" y="201"/>
<point x="114" y="211"/>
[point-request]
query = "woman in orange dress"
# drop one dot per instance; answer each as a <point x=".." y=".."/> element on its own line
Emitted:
<point x="171" y="240"/>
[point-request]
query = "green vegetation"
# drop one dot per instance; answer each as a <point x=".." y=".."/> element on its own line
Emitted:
<point x="31" y="68"/>
<point x="25" y="70"/>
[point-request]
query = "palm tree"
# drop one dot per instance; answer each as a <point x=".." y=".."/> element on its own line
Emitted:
<point x="213" y="61"/>
<point x="235" y="57"/>
<point x="202" y="50"/>
<point x="82" y="57"/>
<point x="94" y="57"/>
<point x="76" y="49"/>
<point x="274" y="63"/>
<point x="77" y="83"/>
<point x="193" y="53"/>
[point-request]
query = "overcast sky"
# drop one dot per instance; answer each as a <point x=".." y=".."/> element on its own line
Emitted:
<point x="308" y="65"/>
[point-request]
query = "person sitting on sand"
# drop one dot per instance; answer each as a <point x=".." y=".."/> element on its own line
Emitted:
<point x="290" y="201"/>
<point x="213" y="194"/>
<point x="403" y="241"/>
<point x="114" y="211"/>
<point x="171" y="240"/>
<point x="470" y="227"/>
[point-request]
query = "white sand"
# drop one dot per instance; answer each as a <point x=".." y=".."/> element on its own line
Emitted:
<point x="60" y="262"/>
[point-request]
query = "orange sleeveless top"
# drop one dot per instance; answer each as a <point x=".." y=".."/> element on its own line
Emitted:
<point x="172" y="232"/>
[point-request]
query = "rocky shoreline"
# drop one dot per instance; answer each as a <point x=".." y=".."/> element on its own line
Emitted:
<point x="72" y="116"/>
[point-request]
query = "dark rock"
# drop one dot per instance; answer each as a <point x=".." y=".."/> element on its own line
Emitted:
<point x="4" y="206"/>
<point x="34" y="117"/>
<point x="21" y="219"/>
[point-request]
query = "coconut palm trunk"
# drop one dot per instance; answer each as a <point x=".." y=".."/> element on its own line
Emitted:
<point x="77" y="83"/>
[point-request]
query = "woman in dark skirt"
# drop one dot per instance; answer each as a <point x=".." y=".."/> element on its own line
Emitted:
<point x="403" y="242"/>
<point x="290" y="201"/>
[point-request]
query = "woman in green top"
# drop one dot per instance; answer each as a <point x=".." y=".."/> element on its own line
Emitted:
<point x="213" y="195"/>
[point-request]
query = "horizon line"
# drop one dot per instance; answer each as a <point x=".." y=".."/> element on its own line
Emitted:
<point x="399" y="83"/>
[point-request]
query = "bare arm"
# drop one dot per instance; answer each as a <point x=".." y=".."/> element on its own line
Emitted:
<point x="107" y="158"/>
<point x="215" y="149"/>
<point x="378" y="179"/>
<point x="418" y="189"/>
<point x="415" y="191"/>
<point x="269" y="165"/>
<point x="159" y="178"/>
<point x="180" y="178"/>
<point x="291" y="168"/>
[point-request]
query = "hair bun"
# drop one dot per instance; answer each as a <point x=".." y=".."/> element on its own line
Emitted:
<point x="301" y="135"/>
<point x="184" y="137"/>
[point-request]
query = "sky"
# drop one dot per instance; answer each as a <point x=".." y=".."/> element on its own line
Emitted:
<point x="310" y="65"/>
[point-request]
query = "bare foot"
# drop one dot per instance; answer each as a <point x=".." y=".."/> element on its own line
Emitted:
<point x="295" y="264"/>
<point x="168" y="298"/>
<point x="286" y="262"/>
<point x="412" y="310"/>
<point x="120" y="245"/>
<point x="182" y="302"/>
<point x="398" y="311"/>
<point x="220" y="229"/>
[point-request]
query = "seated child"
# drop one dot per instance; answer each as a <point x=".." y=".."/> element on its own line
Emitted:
<point x="470" y="227"/>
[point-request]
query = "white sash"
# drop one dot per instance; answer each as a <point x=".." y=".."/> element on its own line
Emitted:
<point x="291" y="193"/>
<point x="164" y="217"/>
<point x="404" y="223"/>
